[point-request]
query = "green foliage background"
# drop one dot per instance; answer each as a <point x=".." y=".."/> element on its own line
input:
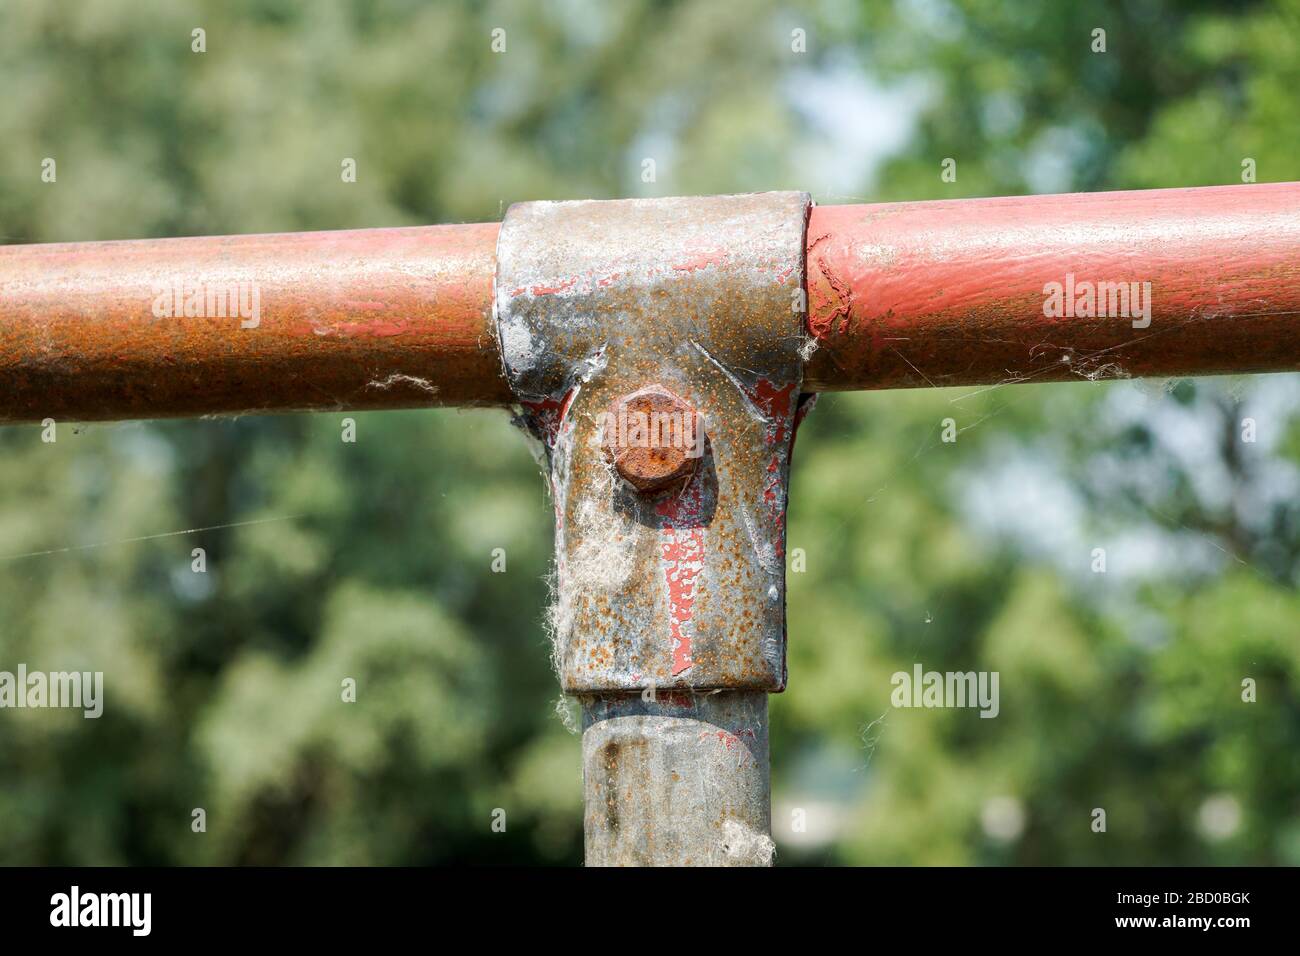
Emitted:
<point x="1119" y="691"/>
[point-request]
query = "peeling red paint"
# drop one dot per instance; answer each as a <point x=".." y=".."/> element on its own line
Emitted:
<point x="563" y="286"/>
<point x="378" y="330"/>
<point x="578" y="283"/>
<point x="806" y="402"/>
<point x="829" y="297"/>
<point x="952" y="292"/>
<point x="682" y="547"/>
<point x="549" y="414"/>
<point x="775" y="402"/>
<point x="702" y="260"/>
<point x="675" y="698"/>
<point x="727" y="738"/>
<point x="733" y="741"/>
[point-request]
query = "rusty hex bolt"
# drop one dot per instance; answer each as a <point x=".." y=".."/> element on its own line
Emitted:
<point x="654" y="438"/>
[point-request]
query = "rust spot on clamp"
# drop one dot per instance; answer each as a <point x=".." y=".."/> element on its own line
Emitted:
<point x="598" y="301"/>
<point x="653" y="439"/>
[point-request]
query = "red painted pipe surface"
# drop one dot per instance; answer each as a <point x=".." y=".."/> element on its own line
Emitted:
<point x="901" y="294"/>
<point x="953" y="292"/>
<point x="371" y="318"/>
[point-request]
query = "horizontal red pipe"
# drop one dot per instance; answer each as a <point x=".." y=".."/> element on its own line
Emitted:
<point x="371" y="318"/>
<point x="953" y="292"/>
<point x="903" y="294"/>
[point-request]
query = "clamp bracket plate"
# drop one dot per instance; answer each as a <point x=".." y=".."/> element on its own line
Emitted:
<point x="705" y="297"/>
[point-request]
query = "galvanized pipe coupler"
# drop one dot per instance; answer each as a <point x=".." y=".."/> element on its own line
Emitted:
<point x="654" y="347"/>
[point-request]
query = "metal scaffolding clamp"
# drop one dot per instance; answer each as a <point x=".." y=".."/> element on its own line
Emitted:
<point x="654" y="347"/>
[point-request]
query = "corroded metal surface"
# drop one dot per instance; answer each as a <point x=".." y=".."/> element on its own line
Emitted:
<point x="653" y="439"/>
<point x="680" y="781"/>
<point x="369" y="318"/>
<point x="702" y="296"/>
<point x="953" y="292"/>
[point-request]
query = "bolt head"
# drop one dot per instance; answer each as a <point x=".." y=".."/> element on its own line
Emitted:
<point x="653" y="438"/>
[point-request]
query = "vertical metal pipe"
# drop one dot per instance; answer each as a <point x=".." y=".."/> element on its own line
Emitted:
<point x="679" y="781"/>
